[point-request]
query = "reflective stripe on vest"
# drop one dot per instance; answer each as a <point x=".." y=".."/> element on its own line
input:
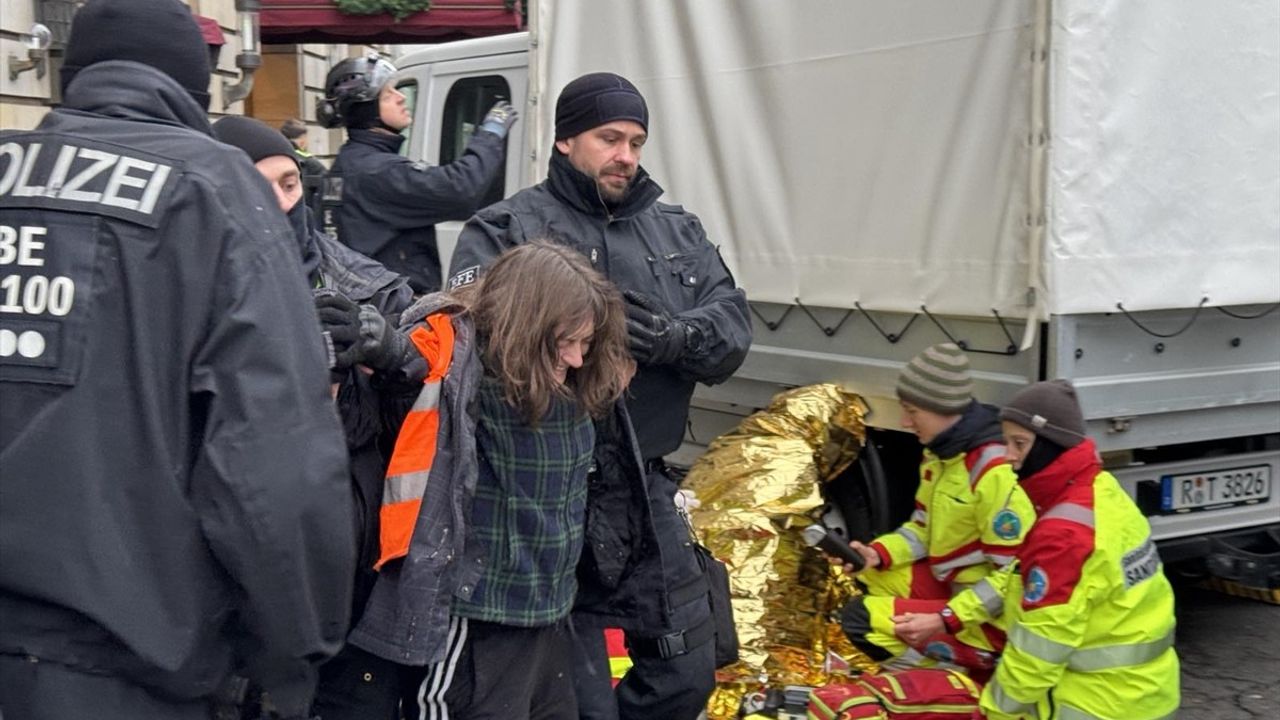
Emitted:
<point x="989" y="454"/>
<point x="1103" y="657"/>
<point x="914" y="544"/>
<point x="1071" y="511"/>
<point x="991" y="600"/>
<point x="1066" y="712"/>
<point x="942" y="569"/>
<point x="1008" y="704"/>
<point x="415" y="449"/>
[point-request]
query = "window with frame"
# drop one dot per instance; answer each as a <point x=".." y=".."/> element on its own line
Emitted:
<point x="464" y="108"/>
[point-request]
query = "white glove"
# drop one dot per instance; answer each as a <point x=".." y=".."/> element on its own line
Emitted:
<point x="687" y="500"/>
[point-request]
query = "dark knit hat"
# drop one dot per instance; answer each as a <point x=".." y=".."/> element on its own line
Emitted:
<point x="252" y="136"/>
<point x="938" y="380"/>
<point x="595" y="99"/>
<point x="159" y="33"/>
<point x="1048" y="409"/>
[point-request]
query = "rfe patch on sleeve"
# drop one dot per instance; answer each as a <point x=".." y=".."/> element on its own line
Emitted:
<point x="464" y="277"/>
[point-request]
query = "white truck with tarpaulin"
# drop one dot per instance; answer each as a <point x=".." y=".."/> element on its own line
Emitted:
<point x="1066" y="188"/>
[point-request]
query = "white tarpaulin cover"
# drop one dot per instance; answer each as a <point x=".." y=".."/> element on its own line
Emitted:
<point x="877" y="152"/>
<point x="1165" y="163"/>
<point x="837" y="150"/>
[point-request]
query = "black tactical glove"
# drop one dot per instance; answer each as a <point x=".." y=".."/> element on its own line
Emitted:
<point x="340" y="321"/>
<point x="655" y="338"/>
<point x="500" y="118"/>
<point x="382" y="346"/>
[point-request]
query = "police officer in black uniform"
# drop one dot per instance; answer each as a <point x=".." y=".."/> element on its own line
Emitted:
<point x="687" y="323"/>
<point x="390" y="204"/>
<point x="174" y="502"/>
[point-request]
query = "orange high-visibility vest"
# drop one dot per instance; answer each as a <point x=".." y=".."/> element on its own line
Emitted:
<point x="415" y="448"/>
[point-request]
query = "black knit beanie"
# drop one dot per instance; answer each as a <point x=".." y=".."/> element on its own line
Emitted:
<point x="1050" y="410"/>
<point x="159" y="33"/>
<point x="252" y="136"/>
<point x="595" y="99"/>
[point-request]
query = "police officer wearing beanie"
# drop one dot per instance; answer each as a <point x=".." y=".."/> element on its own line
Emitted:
<point x="687" y="323"/>
<point x="391" y="204"/>
<point x="176" y="508"/>
<point x="970" y="517"/>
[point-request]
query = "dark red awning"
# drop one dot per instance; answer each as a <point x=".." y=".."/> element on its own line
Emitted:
<point x="318" y="21"/>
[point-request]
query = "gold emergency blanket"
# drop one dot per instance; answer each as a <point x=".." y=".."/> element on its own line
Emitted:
<point x="759" y="486"/>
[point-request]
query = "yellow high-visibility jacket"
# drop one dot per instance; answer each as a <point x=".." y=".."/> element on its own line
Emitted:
<point x="1087" y="607"/>
<point x="970" y="517"/>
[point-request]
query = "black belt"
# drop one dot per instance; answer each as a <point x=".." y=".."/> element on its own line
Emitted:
<point x="673" y="644"/>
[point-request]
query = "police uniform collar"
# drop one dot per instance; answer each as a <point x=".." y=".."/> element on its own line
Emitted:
<point x="381" y="140"/>
<point x="134" y="91"/>
<point x="578" y="190"/>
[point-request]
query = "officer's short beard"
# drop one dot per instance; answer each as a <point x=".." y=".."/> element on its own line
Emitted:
<point x="611" y="195"/>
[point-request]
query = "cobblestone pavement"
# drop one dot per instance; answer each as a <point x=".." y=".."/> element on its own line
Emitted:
<point x="1230" y="653"/>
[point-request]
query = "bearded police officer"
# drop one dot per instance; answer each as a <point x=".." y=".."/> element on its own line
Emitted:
<point x="390" y="204"/>
<point x="175" y="506"/>
<point x="687" y="323"/>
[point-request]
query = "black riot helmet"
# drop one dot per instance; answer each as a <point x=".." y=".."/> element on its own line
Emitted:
<point x="349" y="89"/>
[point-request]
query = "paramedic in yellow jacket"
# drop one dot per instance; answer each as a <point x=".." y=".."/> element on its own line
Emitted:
<point x="970" y="517"/>
<point x="1087" y="606"/>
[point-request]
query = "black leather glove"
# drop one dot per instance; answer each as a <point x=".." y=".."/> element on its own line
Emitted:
<point x="340" y="320"/>
<point x="382" y="346"/>
<point x="500" y="118"/>
<point x="654" y="336"/>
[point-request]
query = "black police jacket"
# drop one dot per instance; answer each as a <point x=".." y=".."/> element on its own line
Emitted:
<point x="643" y="245"/>
<point x="175" y="497"/>
<point x="636" y="555"/>
<point x="390" y="204"/>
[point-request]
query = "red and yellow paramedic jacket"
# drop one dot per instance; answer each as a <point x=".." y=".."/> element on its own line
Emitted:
<point x="969" y="520"/>
<point x="1087" y="607"/>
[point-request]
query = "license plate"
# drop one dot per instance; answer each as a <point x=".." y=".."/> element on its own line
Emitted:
<point x="1215" y="489"/>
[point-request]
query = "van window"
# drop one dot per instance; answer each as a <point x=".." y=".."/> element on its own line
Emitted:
<point x="409" y="89"/>
<point x="464" y="107"/>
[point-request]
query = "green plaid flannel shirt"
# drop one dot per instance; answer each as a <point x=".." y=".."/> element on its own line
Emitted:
<point x="528" y="511"/>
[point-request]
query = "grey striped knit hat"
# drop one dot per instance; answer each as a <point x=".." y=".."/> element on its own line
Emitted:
<point x="937" y="380"/>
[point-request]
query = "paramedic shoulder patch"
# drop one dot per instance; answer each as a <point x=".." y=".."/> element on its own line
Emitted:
<point x="1140" y="564"/>
<point x="1007" y="525"/>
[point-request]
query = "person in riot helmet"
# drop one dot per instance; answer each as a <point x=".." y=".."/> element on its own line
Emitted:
<point x="687" y="323"/>
<point x="390" y="204"/>
<point x="175" y="505"/>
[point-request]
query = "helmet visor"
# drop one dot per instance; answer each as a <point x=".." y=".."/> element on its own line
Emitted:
<point x="378" y="74"/>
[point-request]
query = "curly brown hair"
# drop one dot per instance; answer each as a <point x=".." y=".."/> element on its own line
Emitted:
<point x="535" y="295"/>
